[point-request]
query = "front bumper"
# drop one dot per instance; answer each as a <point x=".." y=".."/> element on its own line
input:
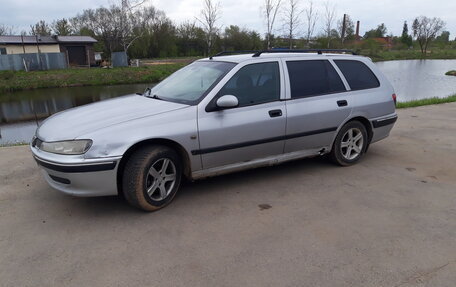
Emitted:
<point x="78" y="176"/>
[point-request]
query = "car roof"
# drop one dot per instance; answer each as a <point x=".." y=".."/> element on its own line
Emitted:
<point x="246" y="57"/>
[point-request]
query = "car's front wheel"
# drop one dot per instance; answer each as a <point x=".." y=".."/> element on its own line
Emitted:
<point x="152" y="177"/>
<point x="350" y="144"/>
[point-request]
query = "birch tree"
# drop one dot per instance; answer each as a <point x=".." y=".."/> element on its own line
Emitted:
<point x="128" y="22"/>
<point x="270" y="9"/>
<point x="292" y="19"/>
<point x="330" y="17"/>
<point x="210" y="14"/>
<point x="311" y="20"/>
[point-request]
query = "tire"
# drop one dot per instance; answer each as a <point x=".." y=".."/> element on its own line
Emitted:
<point x="350" y="144"/>
<point x="144" y="184"/>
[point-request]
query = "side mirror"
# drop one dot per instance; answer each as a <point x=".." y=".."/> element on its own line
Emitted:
<point x="227" y="102"/>
<point x="147" y="92"/>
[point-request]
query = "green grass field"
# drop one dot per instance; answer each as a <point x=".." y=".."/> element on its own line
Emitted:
<point x="425" y="102"/>
<point x="20" y="80"/>
<point x="409" y="55"/>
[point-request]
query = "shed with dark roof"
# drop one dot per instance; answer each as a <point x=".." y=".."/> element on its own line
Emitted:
<point x="78" y="49"/>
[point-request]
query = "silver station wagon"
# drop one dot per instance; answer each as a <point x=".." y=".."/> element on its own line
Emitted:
<point x="217" y="115"/>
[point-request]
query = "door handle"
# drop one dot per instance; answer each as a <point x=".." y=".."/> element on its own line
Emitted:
<point x="342" y="103"/>
<point x="275" y="113"/>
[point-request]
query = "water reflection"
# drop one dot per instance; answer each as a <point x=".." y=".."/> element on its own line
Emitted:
<point x="21" y="112"/>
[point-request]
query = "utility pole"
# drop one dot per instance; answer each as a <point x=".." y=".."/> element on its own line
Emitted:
<point x="39" y="56"/>
<point x="22" y="40"/>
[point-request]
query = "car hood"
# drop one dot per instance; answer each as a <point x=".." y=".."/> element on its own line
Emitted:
<point x="78" y="121"/>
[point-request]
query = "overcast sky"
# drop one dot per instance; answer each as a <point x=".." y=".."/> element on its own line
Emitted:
<point x="245" y="13"/>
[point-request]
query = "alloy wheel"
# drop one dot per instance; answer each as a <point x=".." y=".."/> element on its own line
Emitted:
<point x="161" y="179"/>
<point x="352" y="143"/>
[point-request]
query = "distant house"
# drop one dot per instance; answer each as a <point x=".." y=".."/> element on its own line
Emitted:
<point x="78" y="49"/>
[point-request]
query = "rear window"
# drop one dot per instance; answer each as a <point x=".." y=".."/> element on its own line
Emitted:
<point x="312" y="78"/>
<point x="357" y="74"/>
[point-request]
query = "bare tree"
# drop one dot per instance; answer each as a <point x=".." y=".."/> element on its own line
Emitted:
<point x="210" y="14"/>
<point x="330" y="17"/>
<point x="311" y="20"/>
<point x="6" y="30"/>
<point x="425" y="29"/>
<point x="270" y="9"/>
<point x="292" y="19"/>
<point x="128" y="22"/>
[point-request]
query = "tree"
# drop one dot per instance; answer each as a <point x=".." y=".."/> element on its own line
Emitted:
<point x="330" y="16"/>
<point x="62" y="27"/>
<point x="311" y="20"/>
<point x="444" y="37"/>
<point x="379" y="32"/>
<point x="238" y="39"/>
<point x="6" y="30"/>
<point x="425" y="29"/>
<point x="210" y="14"/>
<point x="346" y="31"/>
<point x="292" y="19"/>
<point x="128" y="22"/>
<point x="406" y="39"/>
<point x="40" y="28"/>
<point x="270" y="9"/>
<point x="190" y="39"/>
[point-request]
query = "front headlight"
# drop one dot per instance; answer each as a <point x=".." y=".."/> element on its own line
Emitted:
<point x="66" y="147"/>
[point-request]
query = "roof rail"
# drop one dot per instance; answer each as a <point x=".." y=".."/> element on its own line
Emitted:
<point x="318" y="51"/>
<point x="223" y="53"/>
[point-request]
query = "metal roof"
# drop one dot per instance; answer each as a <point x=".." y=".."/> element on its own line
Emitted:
<point x="45" y="39"/>
<point x="73" y="39"/>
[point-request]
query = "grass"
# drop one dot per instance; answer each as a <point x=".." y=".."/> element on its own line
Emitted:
<point x="21" y="80"/>
<point x="409" y="54"/>
<point x="451" y="73"/>
<point x="14" y="144"/>
<point x="425" y="102"/>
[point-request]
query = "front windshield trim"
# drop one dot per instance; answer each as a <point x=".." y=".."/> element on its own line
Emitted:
<point x="207" y="91"/>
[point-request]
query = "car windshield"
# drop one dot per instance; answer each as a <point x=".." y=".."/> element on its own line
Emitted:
<point x="189" y="84"/>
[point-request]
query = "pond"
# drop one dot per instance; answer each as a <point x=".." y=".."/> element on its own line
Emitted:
<point x="420" y="79"/>
<point x="21" y="112"/>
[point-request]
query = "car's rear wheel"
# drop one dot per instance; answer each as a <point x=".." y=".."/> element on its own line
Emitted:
<point x="350" y="144"/>
<point x="152" y="177"/>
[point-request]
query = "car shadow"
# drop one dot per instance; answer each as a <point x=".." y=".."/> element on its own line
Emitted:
<point x="190" y="191"/>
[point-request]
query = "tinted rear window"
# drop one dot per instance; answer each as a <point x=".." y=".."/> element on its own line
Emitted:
<point x="358" y="75"/>
<point x="313" y="78"/>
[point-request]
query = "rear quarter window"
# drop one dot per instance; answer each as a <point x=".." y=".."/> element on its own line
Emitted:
<point x="358" y="75"/>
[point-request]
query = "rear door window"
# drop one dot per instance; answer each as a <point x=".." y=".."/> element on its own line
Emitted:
<point x="357" y="74"/>
<point x="313" y="78"/>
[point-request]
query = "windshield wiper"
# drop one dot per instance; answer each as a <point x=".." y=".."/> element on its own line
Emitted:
<point x="147" y="93"/>
<point x="154" y="96"/>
